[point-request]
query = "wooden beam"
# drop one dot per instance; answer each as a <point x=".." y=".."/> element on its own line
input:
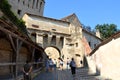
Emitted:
<point x="12" y="42"/>
<point x="33" y="52"/>
<point x="16" y="36"/>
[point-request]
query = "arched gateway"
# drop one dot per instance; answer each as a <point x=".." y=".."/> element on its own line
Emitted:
<point x="53" y="52"/>
<point x="63" y="36"/>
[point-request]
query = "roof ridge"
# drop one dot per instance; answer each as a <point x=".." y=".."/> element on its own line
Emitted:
<point x="68" y="16"/>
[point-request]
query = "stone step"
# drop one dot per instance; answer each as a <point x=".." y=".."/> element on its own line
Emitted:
<point x="81" y="74"/>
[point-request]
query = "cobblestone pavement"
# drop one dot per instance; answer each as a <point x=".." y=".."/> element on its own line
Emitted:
<point x="81" y="74"/>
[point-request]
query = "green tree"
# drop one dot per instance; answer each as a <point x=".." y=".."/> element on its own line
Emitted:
<point x="106" y="30"/>
<point x="5" y="7"/>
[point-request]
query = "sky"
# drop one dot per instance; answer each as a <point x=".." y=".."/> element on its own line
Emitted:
<point x="89" y="12"/>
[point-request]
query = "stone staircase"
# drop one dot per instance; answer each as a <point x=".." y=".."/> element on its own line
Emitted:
<point x="86" y="74"/>
<point x="81" y="74"/>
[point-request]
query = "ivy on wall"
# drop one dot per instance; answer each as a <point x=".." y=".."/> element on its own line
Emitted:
<point x="6" y="9"/>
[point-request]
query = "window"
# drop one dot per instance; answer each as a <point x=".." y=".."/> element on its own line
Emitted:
<point x="94" y="45"/>
<point x="33" y="3"/>
<point x="53" y="29"/>
<point x="33" y="37"/>
<point x="76" y="44"/>
<point x="71" y="44"/>
<point x="28" y="5"/>
<point x="37" y="4"/>
<point x="53" y="40"/>
<point x="78" y="55"/>
<point x="23" y="2"/>
<point x="40" y="6"/>
<point x="61" y="42"/>
<point x="19" y="12"/>
<point x="35" y="26"/>
<point x="89" y="43"/>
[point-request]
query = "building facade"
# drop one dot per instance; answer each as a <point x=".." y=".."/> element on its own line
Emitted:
<point x="92" y="39"/>
<point x="20" y="7"/>
<point x="48" y="32"/>
<point x="65" y="35"/>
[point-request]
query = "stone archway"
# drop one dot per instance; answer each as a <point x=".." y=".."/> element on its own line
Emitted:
<point x="53" y="52"/>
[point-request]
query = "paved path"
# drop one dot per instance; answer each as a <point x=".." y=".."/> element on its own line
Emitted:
<point x="81" y="74"/>
<point x="55" y="75"/>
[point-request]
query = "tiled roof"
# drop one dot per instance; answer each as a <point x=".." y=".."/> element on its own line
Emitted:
<point x="67" y="17"/>
<point x="47" y="18"/>
<point x="72" y="19"/>
<point x="91" y="34"/>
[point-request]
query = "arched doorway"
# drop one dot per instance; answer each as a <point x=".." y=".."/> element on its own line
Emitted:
<point x="53" y="52"/>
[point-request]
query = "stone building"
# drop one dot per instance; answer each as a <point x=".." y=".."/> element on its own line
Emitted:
<point x="92" y="39"/>
<point x="48" y="32"/>
<point x="64" y="35"/>
<point x="20" y="7"/>
<point x="106" y="58"/>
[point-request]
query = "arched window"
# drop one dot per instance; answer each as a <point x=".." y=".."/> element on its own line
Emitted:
<point x="33" y="37"/>
<point x="61" y="41"/>
<point x="53" y="41"/>
<point x="40" y="6"/>
<point x="33" y="3"/>
<point x="37" y="3"/>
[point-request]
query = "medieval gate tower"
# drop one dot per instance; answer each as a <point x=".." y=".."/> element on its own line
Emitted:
<point x="20" y="7"/>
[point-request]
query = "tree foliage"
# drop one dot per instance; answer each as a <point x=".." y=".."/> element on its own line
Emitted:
<point x="106" y="30"/>
<point x="6" y="9"/>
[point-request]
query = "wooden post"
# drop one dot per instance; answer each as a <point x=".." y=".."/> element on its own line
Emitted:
<point x="33" y="52"/>
<point x="18" y="46"/>
<point x="13" y="54"/>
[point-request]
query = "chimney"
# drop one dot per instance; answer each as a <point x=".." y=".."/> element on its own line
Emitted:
<point x="98" y="33"/>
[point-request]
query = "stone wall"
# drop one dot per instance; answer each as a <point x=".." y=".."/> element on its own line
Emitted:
<point x="92" y="40"/>
<point x="6" y="56"/>
<point x="71" y="34"/>
<point x="45" y="29"/>
<point x="20" y="7"/>
<point x="107" y="58"/>
<point x="46" y="24"/>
